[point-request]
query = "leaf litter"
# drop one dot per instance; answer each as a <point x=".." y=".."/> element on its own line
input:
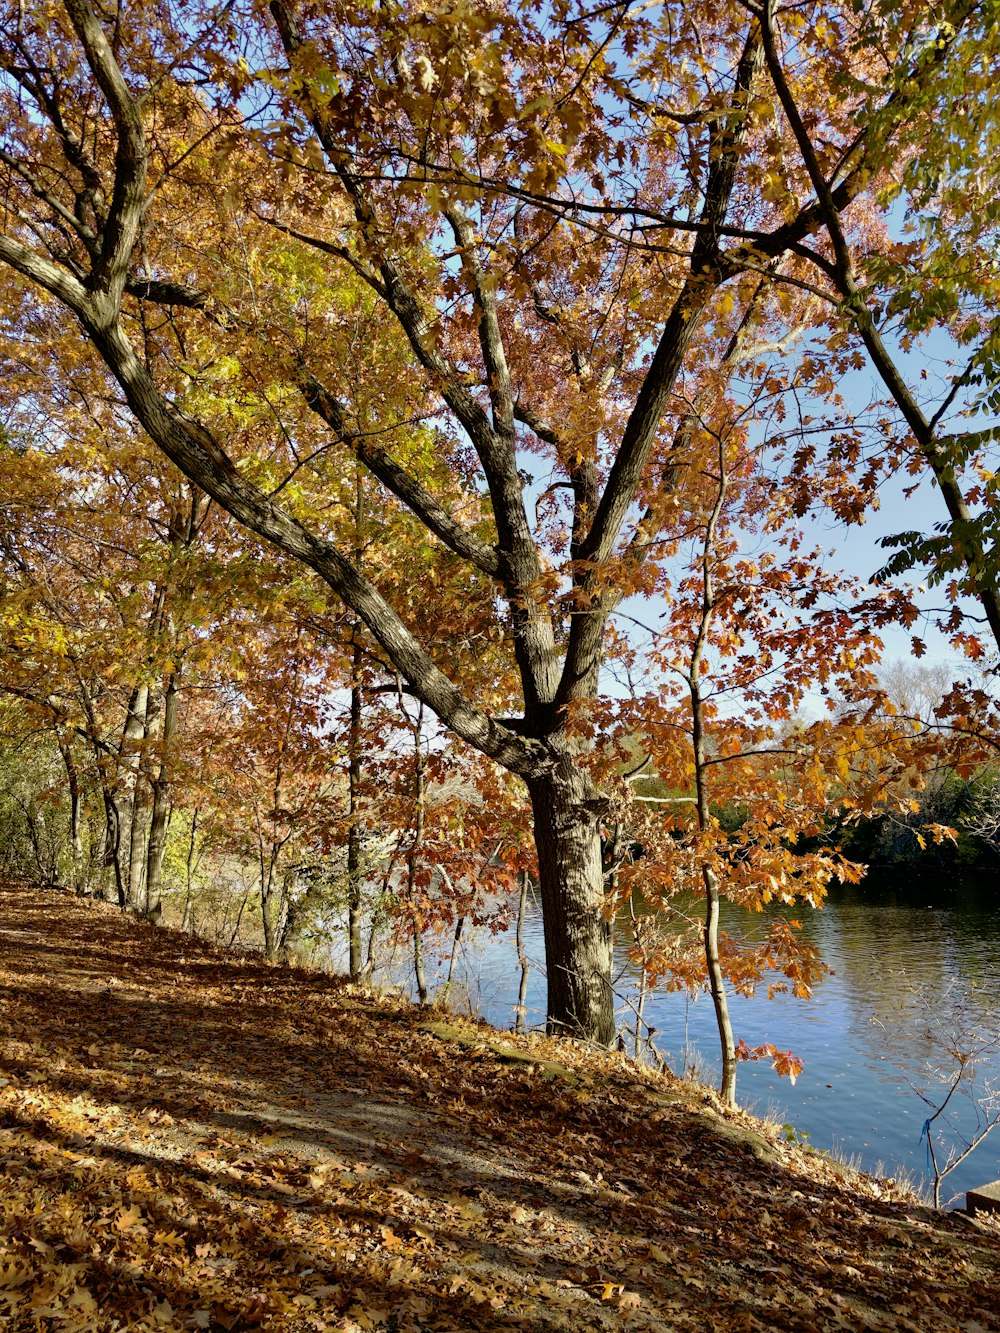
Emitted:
<point x="190" y="1139"/>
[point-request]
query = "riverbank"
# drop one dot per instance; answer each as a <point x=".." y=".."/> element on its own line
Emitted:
<point x="192" y="1140"/>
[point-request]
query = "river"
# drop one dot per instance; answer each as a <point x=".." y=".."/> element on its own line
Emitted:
<point x="911" y="974"/>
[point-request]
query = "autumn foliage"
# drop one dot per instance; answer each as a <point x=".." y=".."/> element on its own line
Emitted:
<point x="521" y="342"/>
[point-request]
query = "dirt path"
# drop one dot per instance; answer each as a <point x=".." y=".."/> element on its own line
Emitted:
<point x="190" y="1140"/>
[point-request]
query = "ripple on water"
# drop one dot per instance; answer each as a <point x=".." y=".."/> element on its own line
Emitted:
<point x="906" y="977"/>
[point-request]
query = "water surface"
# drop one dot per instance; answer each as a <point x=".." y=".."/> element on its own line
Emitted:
<point x="915" y="970"/>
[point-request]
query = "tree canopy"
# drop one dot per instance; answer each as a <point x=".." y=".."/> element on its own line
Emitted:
<point x="577" y="288"/>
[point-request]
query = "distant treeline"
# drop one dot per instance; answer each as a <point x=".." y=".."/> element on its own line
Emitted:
<point x="892" y="843"/>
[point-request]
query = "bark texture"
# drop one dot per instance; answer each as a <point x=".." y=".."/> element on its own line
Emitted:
<point x="571" y="884"/>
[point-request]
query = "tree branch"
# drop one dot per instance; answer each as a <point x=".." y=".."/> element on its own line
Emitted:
<point x="121" y="227"/>
<point x="706" y="273"/>
<point x="490" y="335"/>
<point x="200" y="458"/>
<point x="405" y="487"/>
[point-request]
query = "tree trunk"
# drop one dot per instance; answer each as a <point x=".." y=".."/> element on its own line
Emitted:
<point x="445" y="997"/>
<point x="160" y="812"/>
<point x="271" y="916"/>
<point x="239" y="918"/>
<point x="136" y="848"/>
<point x="187" y="921"/>
<point x="522" y="990"/>
<point x="112" y="843"/>
<point x="354" y="830"/>
<point x="34" y="822"/>
<point x="419" y="972"/>
<point x="699" y="722"/>
<point x="75" y="836"/>
<point x="128" y="800"/>
<point x="571" y="883"/>
<point x="717" y="988"/>
<point x="638" y="934"/>
<point x="416" y="915"/>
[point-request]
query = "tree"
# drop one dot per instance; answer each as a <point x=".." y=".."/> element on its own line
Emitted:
<point x="561" y="219"/>
<point x="728" y="787"/>
<point x="127" y="608"/>
<point x="91" y="645"/>
<point x="920" y="307"/>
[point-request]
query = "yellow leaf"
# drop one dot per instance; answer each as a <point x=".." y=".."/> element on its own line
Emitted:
<point x="13" y="1275"/>
<point x="128" y="1217"/>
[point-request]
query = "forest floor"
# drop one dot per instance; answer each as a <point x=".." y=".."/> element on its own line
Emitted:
<point x="194" y="1140"/>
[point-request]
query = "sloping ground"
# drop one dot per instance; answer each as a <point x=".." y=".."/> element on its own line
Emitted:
<point x="190" y="1140"/>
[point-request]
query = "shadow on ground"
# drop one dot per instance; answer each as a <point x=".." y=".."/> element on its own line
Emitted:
<point x="193" y="1140"/>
